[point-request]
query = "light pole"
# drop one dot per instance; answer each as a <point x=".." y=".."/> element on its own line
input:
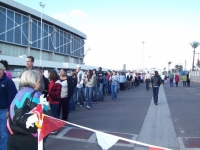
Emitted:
<point x="143" y="56"/>
<point x="42" y="6"/>
<point x="150" y="57"/>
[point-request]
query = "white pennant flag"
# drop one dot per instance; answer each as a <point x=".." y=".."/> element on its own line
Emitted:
<point x="106" y="140"/>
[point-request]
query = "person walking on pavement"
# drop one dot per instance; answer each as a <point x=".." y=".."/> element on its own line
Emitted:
<point x="171" y="79"/>
<point x="188" y="79"/>
<point x="176" y="78"/>
<point x="184" y="79"/>
<point x="147" y="79"/>
<point x="163" y="78"/>
<point x="156" y="82"/>
<point x="7" y="93"/>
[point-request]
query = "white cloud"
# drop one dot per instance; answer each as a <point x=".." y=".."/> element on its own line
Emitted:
<point x="60" y="16"/>
<point x="78" y="13"/>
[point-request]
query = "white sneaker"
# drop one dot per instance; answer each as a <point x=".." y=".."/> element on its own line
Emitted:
<point x="88" y="107"/>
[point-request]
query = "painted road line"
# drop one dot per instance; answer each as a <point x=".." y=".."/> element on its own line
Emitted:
<point x="158" y="128"/>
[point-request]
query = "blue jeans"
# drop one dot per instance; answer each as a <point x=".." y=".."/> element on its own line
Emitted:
<point x="95" y="90"/>
<point x="147" y="84"/>
<point x="101" y="91"/>
<point x="3" y="129"/>
<point x="171" y="82"/>
<point x="80" y="95"/>
<point x="114" y="92"/>
<point x="54" y="110"/>
<point x="73" y="101"/>
<point x="155" y="94"/>
<point x="89" y="95"/>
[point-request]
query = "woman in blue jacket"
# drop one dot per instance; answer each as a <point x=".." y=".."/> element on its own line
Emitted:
<point x="21" y="138"/>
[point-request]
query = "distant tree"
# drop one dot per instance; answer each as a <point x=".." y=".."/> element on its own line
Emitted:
<point x="169" y="63"/>
<point x="178" y="68"/>
<point x="198" y="63"/>
<point x="194" y="46"/>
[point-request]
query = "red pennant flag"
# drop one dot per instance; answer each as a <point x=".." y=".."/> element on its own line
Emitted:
<point x="153" y="148"/>
<point x="50" y="124"/>
<point x="38" y="110"/>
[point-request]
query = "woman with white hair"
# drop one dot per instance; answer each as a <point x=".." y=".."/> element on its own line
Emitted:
<point x="21" y="138"/>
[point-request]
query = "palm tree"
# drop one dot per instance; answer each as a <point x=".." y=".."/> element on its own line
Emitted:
<point x="169" y="63"/>
<point x="194" y="45"/>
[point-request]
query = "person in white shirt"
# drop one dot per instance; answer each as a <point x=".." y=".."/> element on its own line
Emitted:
<point x="80" y="80"/>
<point x="162" y="78"/>
<point x="147" y="79"/>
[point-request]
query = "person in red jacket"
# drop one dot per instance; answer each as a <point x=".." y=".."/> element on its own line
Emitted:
<point x="176" y="78"/>
<point x="54" y="90"/>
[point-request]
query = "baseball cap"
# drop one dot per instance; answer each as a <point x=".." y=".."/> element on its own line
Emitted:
<point x="78" y="66"/>
<point x="2" y="67"/>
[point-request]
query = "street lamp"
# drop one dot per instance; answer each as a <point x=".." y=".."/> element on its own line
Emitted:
<point x="143" y="56"/>
<point x="42" y="6"/>
<point x="150" y="59"/>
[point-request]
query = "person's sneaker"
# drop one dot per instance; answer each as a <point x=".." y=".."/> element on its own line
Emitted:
<point x="88" y="107"/>
<point x="78" y="103"/>
<point x="81" y="105"/>
<point x="53" y="132"/>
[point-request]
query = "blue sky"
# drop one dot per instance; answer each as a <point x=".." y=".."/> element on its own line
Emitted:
<point x="116" y="28"/>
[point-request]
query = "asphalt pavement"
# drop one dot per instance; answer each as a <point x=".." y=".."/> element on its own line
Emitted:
<point x="173" y="123"/>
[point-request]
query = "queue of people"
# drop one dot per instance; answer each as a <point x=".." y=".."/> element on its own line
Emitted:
<point x="64" y="92"/>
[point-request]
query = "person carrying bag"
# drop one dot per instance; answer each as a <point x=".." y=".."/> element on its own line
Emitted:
<point x="22" y="138"/>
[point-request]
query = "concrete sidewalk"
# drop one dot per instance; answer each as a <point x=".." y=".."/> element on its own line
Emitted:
<point x="158" y="128"/>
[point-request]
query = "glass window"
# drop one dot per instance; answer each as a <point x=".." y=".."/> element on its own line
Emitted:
<point x="34" y="36"/>
<point x="3" y="23"/>
<point x="45" y="38"/>
<point x="72" y="46"/>
<point x="17" y="38"/>
<point x="61" y="41"/>
<point x="25" y="23"/>
<point x="65" y="42"/>
<point x="51" y="48"/>
<point x="68" y="45"/>
<point x="57" y="41"/>
<point x="39" y="33"/>
<point x="10" y="26"/>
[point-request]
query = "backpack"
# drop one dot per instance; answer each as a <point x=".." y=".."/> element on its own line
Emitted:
<point x="18" y="125"/>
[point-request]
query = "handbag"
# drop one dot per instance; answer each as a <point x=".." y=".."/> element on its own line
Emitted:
<point x="21" y="116"/>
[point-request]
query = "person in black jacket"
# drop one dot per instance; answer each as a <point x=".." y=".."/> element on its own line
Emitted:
<point x="156" y="81"/>
<point x="46" y="82"/>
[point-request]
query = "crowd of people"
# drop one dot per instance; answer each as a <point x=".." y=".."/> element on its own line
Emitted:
<point x="64" y="90"/>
